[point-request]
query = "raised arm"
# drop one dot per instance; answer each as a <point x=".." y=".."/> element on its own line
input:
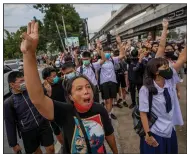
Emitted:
<point x="76" y="59"/>
<point x="100" y="52"/>
<point x="122" y="48"/>
<point x="181" y="60"/>
<point x="33" y="83"/>
<point x="162" y="44"/>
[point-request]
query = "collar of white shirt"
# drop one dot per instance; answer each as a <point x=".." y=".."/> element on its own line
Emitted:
<point x="161" y="90"/>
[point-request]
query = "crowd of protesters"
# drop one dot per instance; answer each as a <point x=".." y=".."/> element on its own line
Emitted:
<point x="80" y="90"/>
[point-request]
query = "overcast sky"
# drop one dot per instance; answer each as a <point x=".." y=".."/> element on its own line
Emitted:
<point x="16" y="15"/>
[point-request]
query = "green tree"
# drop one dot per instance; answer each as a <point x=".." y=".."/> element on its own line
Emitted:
<point x="12" y="44"/>
<point x="54" y="12"/>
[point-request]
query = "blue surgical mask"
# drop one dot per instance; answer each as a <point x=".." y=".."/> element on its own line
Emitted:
<point x="107" y="55"/>
<point x="70" y="75"/>
<point x="22" y="87"/>
<point x="56" y="79"/>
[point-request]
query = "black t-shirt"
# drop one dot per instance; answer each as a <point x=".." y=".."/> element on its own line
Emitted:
<point x="58" y="92"/>
<point x="96" y="122"/>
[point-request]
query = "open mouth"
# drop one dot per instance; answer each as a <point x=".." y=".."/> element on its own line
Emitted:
<point x="87" y="100"/>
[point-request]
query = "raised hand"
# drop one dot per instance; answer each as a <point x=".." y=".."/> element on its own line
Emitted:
<point x="165" y="23"/>
<point x="141" y="56"/>
<point x="99" y="46"/>
<point x="30" y="39"/>
<point x="48" y="88"/>
<point x="118" y="39"/>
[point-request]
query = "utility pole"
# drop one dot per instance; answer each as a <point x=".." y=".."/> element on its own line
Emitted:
<point x="60" y="36"/>
<point x="65" y="30"/>
<point x="87" y="33"/>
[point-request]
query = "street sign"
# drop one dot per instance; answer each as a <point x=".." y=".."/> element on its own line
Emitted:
<point x="72" y="41"/>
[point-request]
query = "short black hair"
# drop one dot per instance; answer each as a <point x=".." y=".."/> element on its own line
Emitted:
<point x="154" y="42"/>
<point x="170" y="44"/>
<point x="116" y="52"/>
<point x="68" y="86"/>
<point x="106" y="48"/>
<point x="13" y="75"/>
<point x="134" y="52"/>
<point x="47" y="72"/>
<point x="86" y="54"/>
<point x="67" y="65"/>
<point x="68" y="58"/>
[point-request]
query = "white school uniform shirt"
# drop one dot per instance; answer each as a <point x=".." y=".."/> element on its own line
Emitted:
<point x="107" y="71"/>
<point x="166" y="121"/>
<point x="88" y="71"/>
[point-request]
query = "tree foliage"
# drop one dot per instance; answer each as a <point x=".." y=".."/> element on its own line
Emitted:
<point x="48" y="36"/>
<point x="54" y="12"/>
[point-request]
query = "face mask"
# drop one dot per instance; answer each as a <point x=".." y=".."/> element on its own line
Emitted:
<point x="107" y="55"/>
<point x="56" y="79"/>
<point x="169" y="54"/>
<point x="81" y="108"/>
<point x="22" y="87"/>
<point x="112" y="54"/>
<point x="86" y="62"/>
<point x="166" y="74"/>
<point x="70" y="75"/>
<point x="94" y="53"/>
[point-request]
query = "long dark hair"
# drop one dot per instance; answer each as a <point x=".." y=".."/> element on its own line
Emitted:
<point x="68" y="86"/>
<point x="150" y="73"/>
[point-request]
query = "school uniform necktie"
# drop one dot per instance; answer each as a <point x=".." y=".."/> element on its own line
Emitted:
<point x="168" y="100"/>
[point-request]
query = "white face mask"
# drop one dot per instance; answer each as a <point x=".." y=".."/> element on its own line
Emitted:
<point x="94" y="53"/>
<point x="112" y="54"/>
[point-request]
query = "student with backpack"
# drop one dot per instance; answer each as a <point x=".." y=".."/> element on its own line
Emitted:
<point x="90" y="70"/>
<point x="107" y="76"/>
<point x="21" y="115"/>
<point x="159" y="80"/>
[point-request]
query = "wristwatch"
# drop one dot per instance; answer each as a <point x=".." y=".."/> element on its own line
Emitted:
<point x="149" y="133"/>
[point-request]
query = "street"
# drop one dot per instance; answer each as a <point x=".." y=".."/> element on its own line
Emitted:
<point x="126" y="138"/>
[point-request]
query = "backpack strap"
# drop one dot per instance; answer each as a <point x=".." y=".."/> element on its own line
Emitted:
<point x="81" y="69"/>
<point x="93" y="69"/>
<point x="112" y="60"/>
<point x="150" y="102"/>
<point x="84" y="132"/>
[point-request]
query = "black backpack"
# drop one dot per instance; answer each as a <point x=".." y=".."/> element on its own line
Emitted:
<point x="138" y="127"/>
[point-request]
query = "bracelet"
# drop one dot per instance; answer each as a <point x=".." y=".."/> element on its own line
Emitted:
<point x="149" y="133"/>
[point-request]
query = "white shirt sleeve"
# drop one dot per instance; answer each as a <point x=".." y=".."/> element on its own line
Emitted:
<point x="96" y="65"/>
<point x="143" y="100"/>
<point x="116" y="60"/>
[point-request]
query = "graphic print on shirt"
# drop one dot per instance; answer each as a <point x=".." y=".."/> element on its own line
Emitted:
<point x="95" y="133"/>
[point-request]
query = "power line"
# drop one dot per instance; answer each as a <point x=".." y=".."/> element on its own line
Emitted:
<point x="29" y="7"/>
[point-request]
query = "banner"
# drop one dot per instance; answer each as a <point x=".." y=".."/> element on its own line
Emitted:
<point x="72" y="41"/>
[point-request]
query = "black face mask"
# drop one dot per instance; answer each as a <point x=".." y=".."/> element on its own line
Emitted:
<point x="169" y="54"/>
<point x="166" y="74"/>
